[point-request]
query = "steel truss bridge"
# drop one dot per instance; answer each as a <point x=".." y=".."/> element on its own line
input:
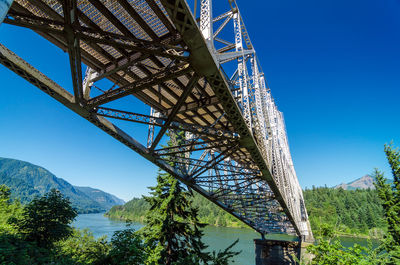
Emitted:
<point x="196" y="73"/>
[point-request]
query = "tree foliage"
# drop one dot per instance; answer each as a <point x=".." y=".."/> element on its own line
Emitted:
<point x="173" y="231"/>
<point x="127" y="248"/>
<point x="390" y="196"/>
<point x="8" y="210"/>
<point x="82" y="248"/>
<point x="45" y="220"/>
<point x="330" y="251"/>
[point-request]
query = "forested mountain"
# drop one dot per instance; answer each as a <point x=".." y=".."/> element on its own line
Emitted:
<point x="350" y="211"/>
<point x="27" y="181"/>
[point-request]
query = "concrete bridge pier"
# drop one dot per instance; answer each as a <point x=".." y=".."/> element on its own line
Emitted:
<point x="272" y="251"/>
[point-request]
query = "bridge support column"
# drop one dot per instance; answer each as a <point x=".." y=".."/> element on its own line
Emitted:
<point x="4" y="7"/>
<point x="270" y="251"/>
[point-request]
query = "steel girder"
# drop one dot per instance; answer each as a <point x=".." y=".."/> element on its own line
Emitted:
<point x="235" y="150"/>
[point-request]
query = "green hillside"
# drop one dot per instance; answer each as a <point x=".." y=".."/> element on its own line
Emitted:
<point x="350" y="211"/>
<point x="106" y="200"/>
<point x="27" y="181"/>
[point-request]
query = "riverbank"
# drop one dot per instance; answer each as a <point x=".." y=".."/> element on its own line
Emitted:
<point x="141" y="220"/>
<point x="361" y="236"/>
<point x="220" y="221"/>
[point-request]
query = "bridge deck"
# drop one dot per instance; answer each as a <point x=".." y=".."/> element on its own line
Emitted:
<point x="154" y="51"/>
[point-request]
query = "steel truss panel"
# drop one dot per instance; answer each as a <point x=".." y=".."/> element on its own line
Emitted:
<point x="234" y="150"/>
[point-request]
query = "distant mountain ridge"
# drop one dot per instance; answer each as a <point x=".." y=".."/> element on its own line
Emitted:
<point x="27" y="181"/>
<point x="365" y="182"/>
<point x="106" y="199"/>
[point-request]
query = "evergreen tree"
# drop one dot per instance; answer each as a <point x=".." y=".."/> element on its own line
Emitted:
<point x="390" y="197"/>
<point x="173" y="230"/>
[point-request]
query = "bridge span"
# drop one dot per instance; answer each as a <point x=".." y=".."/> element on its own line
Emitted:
<point x="196" y="72"/>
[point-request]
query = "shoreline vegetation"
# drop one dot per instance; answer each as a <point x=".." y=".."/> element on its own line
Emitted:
<point x="209" y="214"/>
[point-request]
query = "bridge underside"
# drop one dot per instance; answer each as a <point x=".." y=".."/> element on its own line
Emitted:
<point x="153" y="51"/>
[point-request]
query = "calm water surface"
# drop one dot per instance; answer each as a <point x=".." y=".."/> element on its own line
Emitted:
<point x="216" y="237"/>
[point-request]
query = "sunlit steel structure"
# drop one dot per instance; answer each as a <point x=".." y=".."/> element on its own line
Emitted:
<point x="198" y="73"/>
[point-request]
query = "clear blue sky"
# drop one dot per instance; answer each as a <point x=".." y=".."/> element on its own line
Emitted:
<point x="333" y="68"/>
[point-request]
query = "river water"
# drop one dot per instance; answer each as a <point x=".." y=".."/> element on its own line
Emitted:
<point x="215" y="237"/>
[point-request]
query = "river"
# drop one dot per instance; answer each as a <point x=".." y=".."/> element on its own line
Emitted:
<point x="215" y="237"/>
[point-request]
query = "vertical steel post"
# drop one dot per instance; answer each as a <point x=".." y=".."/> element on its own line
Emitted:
<point x="4" y="7"/>
<point x="150" y="136"/>
<point x="206" y="23"/>
<point x="242" y="70"/>
<point x="87" y="83"/>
